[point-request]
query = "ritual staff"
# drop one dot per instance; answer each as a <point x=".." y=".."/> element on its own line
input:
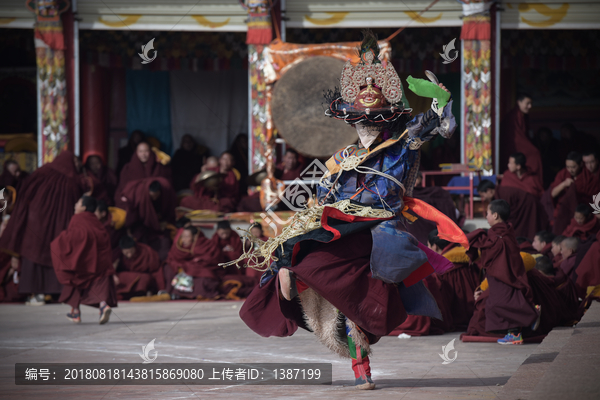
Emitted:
<point x="12" y="174"/>
<point x="509" y="306"/>
<point x="138" y="268"/>
<point x="518" y="176"/>
<point x="150" y="207"/>
<point x="104" y="180"/>
<point x="583" y="225"/>
<point x="81" y="257"/>
<point x="573" y="185"/>
<point x="515" y="137"/>
<point x="527" y="215"/>
<point x="144" y="164"/>
<point x="43" y="210"/>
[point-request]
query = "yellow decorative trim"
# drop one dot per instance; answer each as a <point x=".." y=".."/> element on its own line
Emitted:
<point x="161" y="156"/>
<point x="205" y="22"/>
<point x="125" y="20"/>
<point x="336" y="18"/>
<point x="457" y="255"/>
<point x="415" y="17"/>
<point x="118" y="217"/>
<point x="556" y="14"/>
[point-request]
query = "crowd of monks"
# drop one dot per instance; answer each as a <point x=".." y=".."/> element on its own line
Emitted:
<point x="80" y="233"/>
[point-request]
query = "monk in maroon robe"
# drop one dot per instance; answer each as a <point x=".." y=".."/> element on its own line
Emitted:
<point x="43" y="210"/>
<point x="569" y="248"/>
<point x="104" y="180"/>
<point x="509" y="306"/>
<point x="514" y="134"/>
<point x="527" y="215"/>
<point x="230" y="244"/>
<point x="588" y="271"/>
<point x="224" y="197"/>
<point x="591" y="160"/>
<point x="256" y="231"/>
<point x="12" y="175"/>
<point x="9" y="289"/>
<point x="518" y="176"/>
<point x="139" y="269"/>
<point x="542" y="243"/>
<point x="573" y="185"/>
<point x="113" y="220"/>
<point x="82" y="260"/>
<point x="150" y="207"/>
<point x="584" y="224"/>
<point x="290" y="168"/>
<point x="143" y="165"/>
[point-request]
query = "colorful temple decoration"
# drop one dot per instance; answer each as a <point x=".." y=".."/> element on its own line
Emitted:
<point x="477" y="121"/>
<point x="260" y="118"/>
<point x="259" y="22"/>
<point x="50" y="59"/>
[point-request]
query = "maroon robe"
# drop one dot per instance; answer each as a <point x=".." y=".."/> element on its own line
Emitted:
<point x="568" y="266"/>
<point x="527" y="182"/>
<point x="7" y="179"/>
<point x="9" y="291"/>
<point x="562" y="207"/>
<point x="527" y="215"/>
<point x="135" y="170"/>
<point x="252" y="273"/>
<point x="515" y="138"/>
<point x="81" y="256"/>
<point x="582" y="232"/>
<point x="43" y="210"/>
<point x="141" y="273"/>
<point x="104" y="185"/>
<point x="510" y="303"/>
<point x="289" y="175"/>
<point x="226" y="200"/>
<point x="588" y="271"/>
<point x="234" y="242"/>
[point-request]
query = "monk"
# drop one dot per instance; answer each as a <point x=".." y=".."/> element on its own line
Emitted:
<point x="583" y="225"/>
<point x="187" y="162"/>
<point x="9" y="280"/>
<point x="104" y="180"/>
<point x="588" y="271"/>
<point x="573" y="185"/>
<point x="143" y="165"/>
<point x="518" y="176"/>
<point x="592" y="162"/>
<point x="125" y="153"/>
<point x="257" y="232"/>
<point x="139" y="269"/>
<point x="43" y="210"/>
<point x="542" y="243"/>
<point x="515" y="137"/>
<point x="509" y="306"/>
<point x="544" y="265"/>
<point x="229" y="242"/>
<point x="526" y="213"/>
<point x="209" y="194"/>
<point x="568" y="250"/>
<point x="557" y="258"/>
<point x="82" y="260"/>
<point x="113" y="220"/>
<point x="197" y="257"/>
<point x="290" y="168"/>
<point x="12" y="175"/>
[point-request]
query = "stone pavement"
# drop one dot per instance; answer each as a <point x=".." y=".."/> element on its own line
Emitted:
<point x="188" y="331"/>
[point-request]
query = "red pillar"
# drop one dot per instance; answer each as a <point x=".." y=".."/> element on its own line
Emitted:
<point x="67" y="21"/>
<point x="94" y="110"/>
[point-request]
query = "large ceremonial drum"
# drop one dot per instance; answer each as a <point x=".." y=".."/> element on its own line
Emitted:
<point x="298" y="108"/>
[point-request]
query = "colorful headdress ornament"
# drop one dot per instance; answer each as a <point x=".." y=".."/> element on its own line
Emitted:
<point x="369" y="91"/>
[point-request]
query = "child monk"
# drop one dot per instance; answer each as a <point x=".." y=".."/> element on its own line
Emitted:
<point x="509" y="306"/>
<point x="584" y="225"/>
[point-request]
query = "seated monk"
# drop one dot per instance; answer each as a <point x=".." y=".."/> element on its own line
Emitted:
<point x="150" y="207"/>
<point x="588" y="271"/>
<point x="462" y="279"/>
<point x="257" y="232"/>
<point x="526" y="213"/>
<point x="104" y="180"/>
<point x="290" y="168"/>
<point x="566" y="288"/>
<point x="139" y="269"/>
<point x="573" y="185"/>
<point x="584" y="225"/>
<point x="568" y="249"/>
<point x="230" y="244"/>
<point x="215" y="190"/>
<point x="12" y="174"/>
<point x="82" y="260"/>
<point x="144" y="164"/>
<point x="557" y="258"/>
<point x="9" y="281"/>
<point x="542" y="243"/>
<point x="518" y="176"/>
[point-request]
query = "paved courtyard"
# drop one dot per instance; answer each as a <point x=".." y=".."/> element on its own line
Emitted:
<point x="194" y="332"/>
